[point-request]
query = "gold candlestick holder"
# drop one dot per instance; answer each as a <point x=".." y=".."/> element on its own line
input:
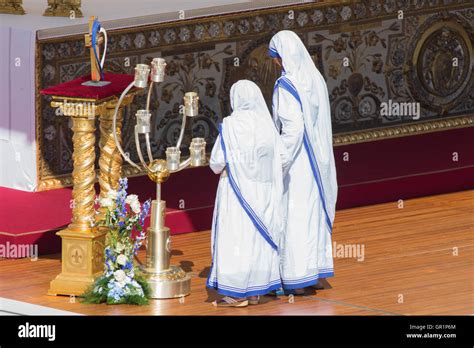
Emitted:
<point x="166" y="280"/>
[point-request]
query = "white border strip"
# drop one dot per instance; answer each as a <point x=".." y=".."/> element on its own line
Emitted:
<point x="12" y="307"/>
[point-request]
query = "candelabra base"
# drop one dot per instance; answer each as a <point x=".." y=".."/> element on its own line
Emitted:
<point x="170" y="283"/>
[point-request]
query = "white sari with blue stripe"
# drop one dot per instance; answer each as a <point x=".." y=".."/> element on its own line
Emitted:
<point x="248" y="212"/>
<point x="301" y="110"/>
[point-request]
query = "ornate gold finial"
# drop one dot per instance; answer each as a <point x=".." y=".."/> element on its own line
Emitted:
<point x="12" y="7"/>
<point x="158" y="171"/>
<point x="63" y="8"/>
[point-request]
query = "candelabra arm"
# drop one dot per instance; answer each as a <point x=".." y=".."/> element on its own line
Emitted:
<point x="139" y="150"/>
<point x="114" y="126"/>
<point x="182" y="165"/>
<point x="148" y="99"/>
<point x="148" y="147"/>
<point x="181" y="133"/>
<point x="147" y="136"/>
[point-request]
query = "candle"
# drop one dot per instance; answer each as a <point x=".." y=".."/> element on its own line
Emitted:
<point x="197" y="152"/>
<point x="158" y="66"/>
<point x="173" y="157"/>
<point x="142" y="72"/>
<point x="191" y="100"/>
<point x="143" y="121"/>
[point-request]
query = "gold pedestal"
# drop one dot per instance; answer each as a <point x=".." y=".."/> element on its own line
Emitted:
<point x="82" y="262"/>
<point x="82" y="243"/>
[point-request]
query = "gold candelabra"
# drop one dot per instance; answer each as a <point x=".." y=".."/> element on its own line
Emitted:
<point x="166" y="280"/>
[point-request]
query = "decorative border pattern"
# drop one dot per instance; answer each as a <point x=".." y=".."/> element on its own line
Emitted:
<point x="403" y="131"/>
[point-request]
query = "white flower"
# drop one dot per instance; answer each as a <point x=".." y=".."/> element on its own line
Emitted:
<point x="120" y="276"/>
<point x="112" y="194"/>
<point x="122" y="259"/>
<point x="131" y="198"/>
<point x="119" y="247"/>
<point x="106" y="202"/>
<point x="135" y="205"/>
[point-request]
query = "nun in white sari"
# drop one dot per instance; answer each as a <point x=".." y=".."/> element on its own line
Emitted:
<point x="247" y="221"/>
<point x="301" y="112"/>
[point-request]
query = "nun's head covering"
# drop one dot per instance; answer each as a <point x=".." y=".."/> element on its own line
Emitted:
<point x="245" y="95"/>
<point x="296" y="60"/>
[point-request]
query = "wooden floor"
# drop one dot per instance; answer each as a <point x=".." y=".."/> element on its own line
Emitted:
<point x="410" y="267"/>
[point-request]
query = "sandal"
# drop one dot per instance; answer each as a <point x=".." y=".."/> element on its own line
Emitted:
<point x="228" y="301"/>
<point x="253" y="300"/>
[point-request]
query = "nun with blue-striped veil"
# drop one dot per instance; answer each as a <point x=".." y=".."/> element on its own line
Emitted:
<point x="248" y="214"/>
<point x="301" y="112"/>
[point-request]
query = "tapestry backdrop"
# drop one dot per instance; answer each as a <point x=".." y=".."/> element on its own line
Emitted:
<point x="367" y="53"/>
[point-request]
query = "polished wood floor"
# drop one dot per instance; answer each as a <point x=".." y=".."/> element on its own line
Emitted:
<point x="418" y="259"/>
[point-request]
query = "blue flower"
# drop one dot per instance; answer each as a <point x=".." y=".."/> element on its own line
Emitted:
<point x="123" y="183"/>
<point x="145" y="211"/>
<point x="116" y="292"/>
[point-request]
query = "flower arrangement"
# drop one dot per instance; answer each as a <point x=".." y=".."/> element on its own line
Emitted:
<point x="122" y="282"/>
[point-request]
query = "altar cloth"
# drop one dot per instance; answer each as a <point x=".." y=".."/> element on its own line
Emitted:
<point x="76" y="89"/>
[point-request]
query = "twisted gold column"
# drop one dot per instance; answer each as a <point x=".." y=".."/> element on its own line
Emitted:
<point x="110" y="161"/>
<point x="82" y="242"/>
<point x="83" y="175"/>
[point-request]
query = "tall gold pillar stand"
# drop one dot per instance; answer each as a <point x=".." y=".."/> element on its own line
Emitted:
<point x="82" y="242"/>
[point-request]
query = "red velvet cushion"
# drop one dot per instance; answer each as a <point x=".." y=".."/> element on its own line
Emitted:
<point x="75" y="88"/>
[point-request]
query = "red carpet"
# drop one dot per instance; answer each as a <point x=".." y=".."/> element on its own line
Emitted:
<point x="29" y="217"/>
<point x="376" y="172"/>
